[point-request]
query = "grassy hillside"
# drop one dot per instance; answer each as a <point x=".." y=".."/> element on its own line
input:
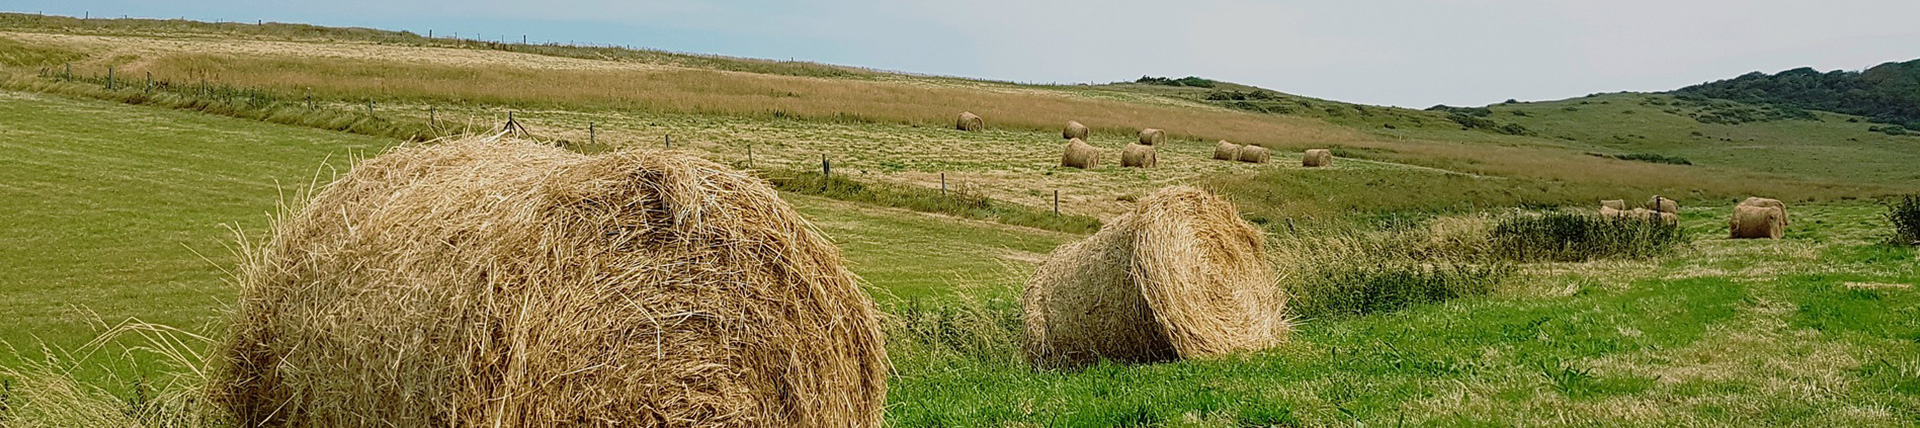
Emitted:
<point x="120" y="201"/>
<point x="119" y="212"/>
<point x="273" y="72"/>
<point x="1820" y="146"/>
<point x="1818" y="328"/>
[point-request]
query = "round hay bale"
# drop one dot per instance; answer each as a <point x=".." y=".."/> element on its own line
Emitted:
<point x="1138" y="156"/>
<point x="1317" y="158"/>
<point x="1081" y="155"/>
<point x="1662" y="204"/>
<point x="1075" y="130"/>
<point x="1757" y="222"/>
<point x="1151" y="136"/>
<point x="1770" y="203"/>
<point x="970" y="122"/>
<point x="1611" y="212"/>
<point x="1616" y="204"/>
<point x="517" y="284"/>
<point x="1182" y="276"/>
<point x="1254" y="154"/>
<point x="1226" y="151"/>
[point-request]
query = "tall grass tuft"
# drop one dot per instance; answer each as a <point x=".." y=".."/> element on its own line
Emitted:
<point x="960" y="202"/>
<point x="45" y="393"/>
<point x="1566" y="237"/>
<point x="1351" y="272"/>
<point x="1904" y="214"/>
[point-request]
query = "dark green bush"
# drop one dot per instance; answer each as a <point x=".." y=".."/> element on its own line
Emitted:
<point x="1904" y="213"/>
<point x="1563" y="237"/>
<point x="1654" y="158"/>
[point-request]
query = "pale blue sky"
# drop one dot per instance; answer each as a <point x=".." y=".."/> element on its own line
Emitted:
<point x="1395" y="52"/>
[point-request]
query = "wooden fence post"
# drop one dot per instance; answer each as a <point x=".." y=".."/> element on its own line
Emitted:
<point x="109" y="77"/>
<point x="826" y="169"/>
<point x="749" y="155"/>
<point x="943" y="184"/>
<point x="1056" y="203"/>
<point x="590" y="133"/>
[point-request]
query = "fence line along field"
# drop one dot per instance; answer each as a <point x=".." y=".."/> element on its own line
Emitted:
<point x="273" y="232"/>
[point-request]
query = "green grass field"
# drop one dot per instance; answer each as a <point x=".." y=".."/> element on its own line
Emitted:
<point x="112" y="212"/>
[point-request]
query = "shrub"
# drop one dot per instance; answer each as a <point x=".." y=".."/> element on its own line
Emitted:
<point x="1904" y="213"/>
<point x="1654" y="158"/>
<point x="1184" y="81"/>
<point x="1564" y="237"/>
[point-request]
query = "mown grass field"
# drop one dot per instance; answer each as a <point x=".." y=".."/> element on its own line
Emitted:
<point x="114" y="212"/>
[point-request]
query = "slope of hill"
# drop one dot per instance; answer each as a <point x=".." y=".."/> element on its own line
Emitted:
<point x="392" y="85"/>
<point x="1887" y="93"/>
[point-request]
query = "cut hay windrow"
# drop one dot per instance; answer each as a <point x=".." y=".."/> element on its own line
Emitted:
<point x="1757" y="222"/>
<point x="1317" y="158"/>
<point x="1181" y="276"/>
<point x="1075" y="130"/>
<point x="1079" y="154"/>
<point x="970" y="122"/>
<point x="1139" y="156"/>
<point x="474" y="283"/>
<point x="1226" y="151"/>
<point x="1254" y="154"/>
<point x="1152" y="136"/>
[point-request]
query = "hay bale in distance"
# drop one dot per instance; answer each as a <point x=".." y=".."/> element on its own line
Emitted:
<point x="512" y="283"/>
<point x="1226" y="151"/>
<point x="1616" y="204"/>
<point x="1253" y="154"/>
<point x="1152" y="136"/>
<point x="970" y="122"/>
<point x="1181" y="276"/>
<point x="1079" y="154"/>
<point x="1757" y="222"/>
<point x="1770" y="203"/>
<point x="1075" y="130"/>
<point x="1317" y="158"/>
<point x="1139" y="156"/>
<point x="1663" y="204"/>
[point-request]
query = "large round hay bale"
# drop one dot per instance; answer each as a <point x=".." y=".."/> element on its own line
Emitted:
<point x="970" y="122"/>
<point x="1609" y="211"/>
<point x="1663" y="204"/>
<point x="1139" y="156"/>
<point x="1226" y="151"/>
<point x="1151" y="136"/>
<point x="1254" y="154"/>
<point x="1182" y="276"/>
<point x="1079" y="154"/>
<point x="1616" y="204"/>
<point x="1757" y="222"/>
<point x="1317" y="158"/>
<point x="516" y="284"/>
<point x="1770" y="203"/>
<point x="1075" y="130"/>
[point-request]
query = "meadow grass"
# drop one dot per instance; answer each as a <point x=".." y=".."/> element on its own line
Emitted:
<point x="1819" y="328"/>
<point x="450" y="77"/>
<point x="960" y="202"/>
<point x="1579" y="237"/>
